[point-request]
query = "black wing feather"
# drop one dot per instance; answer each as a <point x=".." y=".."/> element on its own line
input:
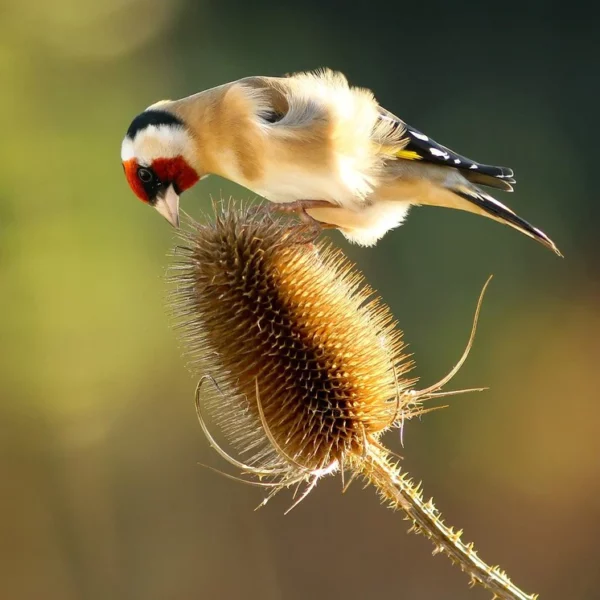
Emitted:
<point x="430" y="151"/>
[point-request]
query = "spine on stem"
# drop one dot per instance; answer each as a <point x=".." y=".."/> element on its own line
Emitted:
<point x="399" y="490"/>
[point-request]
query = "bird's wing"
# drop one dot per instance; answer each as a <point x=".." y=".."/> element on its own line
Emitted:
<point x="422" y="148"/>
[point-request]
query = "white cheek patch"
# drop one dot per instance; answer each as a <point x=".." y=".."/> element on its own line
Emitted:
<point x="158" y="141"/>
<point x="127" y="150"/>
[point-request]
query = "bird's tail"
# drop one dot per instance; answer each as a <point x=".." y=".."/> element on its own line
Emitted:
<point x="482" y="203"/>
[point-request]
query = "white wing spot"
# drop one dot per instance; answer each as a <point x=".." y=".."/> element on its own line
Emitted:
<point x="473" y="167"/>
<point x="457" y="161"/>
<point x="437" y="152"/>
<point x="421" y="136"/>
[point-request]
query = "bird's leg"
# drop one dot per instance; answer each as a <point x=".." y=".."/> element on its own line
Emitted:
<point x="300" y="207"/>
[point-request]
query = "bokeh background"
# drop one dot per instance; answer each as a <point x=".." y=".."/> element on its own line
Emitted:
<point x="101" y="493"/>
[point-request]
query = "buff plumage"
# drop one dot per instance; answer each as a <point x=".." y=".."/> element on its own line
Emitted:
<point x="313" y="143"/>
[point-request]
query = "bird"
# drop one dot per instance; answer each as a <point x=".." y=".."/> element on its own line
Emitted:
<point x="312" y="144"/>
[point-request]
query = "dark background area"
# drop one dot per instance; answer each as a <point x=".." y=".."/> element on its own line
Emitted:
<point x="102" y="496"/>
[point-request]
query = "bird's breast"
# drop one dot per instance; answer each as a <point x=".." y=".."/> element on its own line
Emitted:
<point x="289" y="185"/>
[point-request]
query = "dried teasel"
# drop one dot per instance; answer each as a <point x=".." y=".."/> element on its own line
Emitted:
<point x="306" y="367"/>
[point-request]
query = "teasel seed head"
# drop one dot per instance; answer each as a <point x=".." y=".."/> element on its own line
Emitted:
<point x="306" y="366"/>
<point x="292" y="337"/>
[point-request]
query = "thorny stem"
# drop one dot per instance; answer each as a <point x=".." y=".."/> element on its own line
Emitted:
<point x="403" y="494"/>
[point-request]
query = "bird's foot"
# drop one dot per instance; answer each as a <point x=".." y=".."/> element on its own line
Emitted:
<point x="299" y="208"/>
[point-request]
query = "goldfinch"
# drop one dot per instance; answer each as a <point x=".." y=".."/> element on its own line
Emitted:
<point x="312" y="144"/>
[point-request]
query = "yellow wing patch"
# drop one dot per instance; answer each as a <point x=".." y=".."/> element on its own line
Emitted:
<point x="408" y="155"/>
<point x="395" y="152"/>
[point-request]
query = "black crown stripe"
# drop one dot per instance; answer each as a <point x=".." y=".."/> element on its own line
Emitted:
<point x="152" y="117"/>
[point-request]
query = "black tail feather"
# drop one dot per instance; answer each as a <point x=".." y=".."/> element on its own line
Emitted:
<point x="502" y="213"/>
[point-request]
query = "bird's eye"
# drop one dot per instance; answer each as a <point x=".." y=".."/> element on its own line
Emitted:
<point x="145" y="175"/>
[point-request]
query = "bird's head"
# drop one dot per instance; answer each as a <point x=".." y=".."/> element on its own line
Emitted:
<point x="158" y="157"/>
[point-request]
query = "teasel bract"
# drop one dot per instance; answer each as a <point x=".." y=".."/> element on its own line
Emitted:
<point x="302" y="367"/>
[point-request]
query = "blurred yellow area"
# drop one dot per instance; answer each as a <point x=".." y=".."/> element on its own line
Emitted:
<point x="102" y="495"/>
<point x="107" y="30"/>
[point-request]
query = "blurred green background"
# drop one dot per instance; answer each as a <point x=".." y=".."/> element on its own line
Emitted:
<point x="101" y="494"/>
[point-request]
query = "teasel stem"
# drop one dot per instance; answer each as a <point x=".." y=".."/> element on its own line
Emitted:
<point x="399" y="490"/>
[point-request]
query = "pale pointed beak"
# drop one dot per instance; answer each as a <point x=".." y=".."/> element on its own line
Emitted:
<point x="167" y="204"/>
